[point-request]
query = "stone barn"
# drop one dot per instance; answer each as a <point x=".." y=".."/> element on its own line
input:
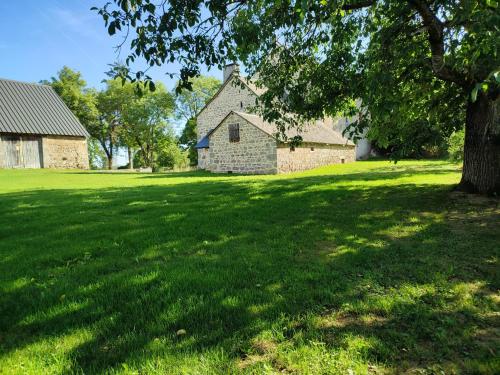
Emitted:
<point x="37" y="130"/>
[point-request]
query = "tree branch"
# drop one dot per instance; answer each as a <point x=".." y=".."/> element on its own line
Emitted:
<point x="435" y="29"/>
<point x="358" y="5"/>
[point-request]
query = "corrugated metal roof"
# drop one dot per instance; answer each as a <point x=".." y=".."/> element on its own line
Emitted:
<point x="28" y="108"/>
<point x="316" y="132"/>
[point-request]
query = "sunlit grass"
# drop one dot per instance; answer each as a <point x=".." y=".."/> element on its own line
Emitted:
<point x="367" y="267"/>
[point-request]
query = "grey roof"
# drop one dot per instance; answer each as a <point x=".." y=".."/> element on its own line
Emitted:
<point x="204" y="142"/>
<point x="27" y="108"/>
<point x="316" y="132"/>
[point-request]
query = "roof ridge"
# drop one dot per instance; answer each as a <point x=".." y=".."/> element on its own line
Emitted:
<point x="307" y="129"/>
<point x="247" y="113"/>
<point x="224" y="84"/>
<point x="25" y="83"/>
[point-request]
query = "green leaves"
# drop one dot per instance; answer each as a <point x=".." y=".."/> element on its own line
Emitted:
<point x="496" y="75"/>
<point x="492" y="3"/>
<point x="475" y="91"/>
<point x="492" y="82"/>
<point x="190" y="101"/>
<point x="113" y="26"/>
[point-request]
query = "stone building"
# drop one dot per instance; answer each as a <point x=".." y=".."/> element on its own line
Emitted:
<point x="37" y="130"/>
<point x="232" y="139"/>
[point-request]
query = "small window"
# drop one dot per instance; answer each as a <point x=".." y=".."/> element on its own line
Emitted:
<point x="234" y="132"/>
<point x="312" y="148"/>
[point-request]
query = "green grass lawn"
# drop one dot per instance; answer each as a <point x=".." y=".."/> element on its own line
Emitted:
<point x="362" y="268"/>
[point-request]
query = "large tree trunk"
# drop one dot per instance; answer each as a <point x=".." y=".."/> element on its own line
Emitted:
<point x="481" y="170"/>
<point x="110" y="157"/>
<point x="130" y="158"/>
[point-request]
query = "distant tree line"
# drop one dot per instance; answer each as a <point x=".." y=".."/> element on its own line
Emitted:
<point x="118" y="116"/>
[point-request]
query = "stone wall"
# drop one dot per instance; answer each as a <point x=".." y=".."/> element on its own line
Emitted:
<point x="203" y="155"/>
<point x="255" y="152"/>
<point x="233" y="97"/>
<point x="309" y="156"/>
<point x="65" y="152"/>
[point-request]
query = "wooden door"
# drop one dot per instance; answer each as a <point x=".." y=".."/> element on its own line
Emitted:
<point x="12" y="151"/>
<point x="21" y="152"/>
<point x="31" y="152"/>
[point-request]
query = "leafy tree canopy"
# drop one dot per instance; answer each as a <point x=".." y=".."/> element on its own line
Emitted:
<point x="146" y="121"/>
<point x="190" y="101"/>
<point x="402" y="58"/>
<point x="72" y="89"/>
<point x="189" y="138"/>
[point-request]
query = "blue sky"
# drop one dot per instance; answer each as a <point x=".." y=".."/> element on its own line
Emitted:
<point x="39" y="37"/>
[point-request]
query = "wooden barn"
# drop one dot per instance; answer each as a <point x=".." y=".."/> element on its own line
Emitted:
<point x="37" y="130"/>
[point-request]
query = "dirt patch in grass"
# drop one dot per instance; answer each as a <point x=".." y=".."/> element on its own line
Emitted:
<point x="250" y="360"/>
<point x="470" y="209"/>
<point x="344" y="320"/>
<point x="261" y="351"/>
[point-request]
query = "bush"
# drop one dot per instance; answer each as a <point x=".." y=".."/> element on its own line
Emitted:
<point x="456" y="146"/>
<point x="171" y="156"/>
<point x="167" y="155"/>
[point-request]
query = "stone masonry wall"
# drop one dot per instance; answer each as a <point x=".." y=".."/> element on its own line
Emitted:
<point x="203" y="155"/>
<point x="303" y="157"/>
<point x="255" y="153"/>
<point x="233" y="97"/>
<point x="65" y="152"/>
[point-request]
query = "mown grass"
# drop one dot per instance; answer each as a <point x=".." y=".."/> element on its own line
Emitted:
<point x="363" y="268"/>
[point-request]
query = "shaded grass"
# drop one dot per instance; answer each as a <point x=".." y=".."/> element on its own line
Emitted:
<point x="368" y="267"/>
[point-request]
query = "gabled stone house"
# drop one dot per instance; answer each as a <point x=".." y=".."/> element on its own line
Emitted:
<point x="232" y="139"/>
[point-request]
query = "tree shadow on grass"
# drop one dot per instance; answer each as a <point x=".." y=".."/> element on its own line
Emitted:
<point x="228" y="261"/>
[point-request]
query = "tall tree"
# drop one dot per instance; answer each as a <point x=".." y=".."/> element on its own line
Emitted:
<point x="82" y="101"/>
<point x="111" y="103"/>
<point x="146" y="122"/>
<point x="330" y="53"/>
<point x="190" y="101"/>
<point x="72" y="89"/>
<point x="188" y="138"/>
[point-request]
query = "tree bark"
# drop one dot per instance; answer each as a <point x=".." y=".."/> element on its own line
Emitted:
<point x="481" y="169"/>
<point x="130" y="158"/>
<point x="110" y="156"/>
